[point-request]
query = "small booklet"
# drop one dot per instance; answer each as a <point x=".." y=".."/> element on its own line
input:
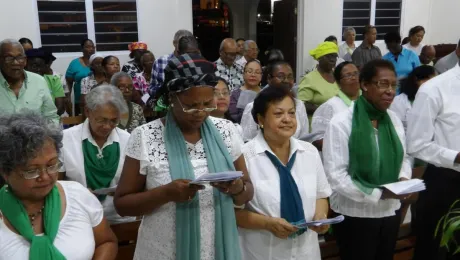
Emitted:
<point x="246" y="97"/>
<point x="406" y="187"/>
<point x="317" y="223"/>
<point x="218" y="177"/>
<point x="145" y="98"/>
<point x="105" y="191"/>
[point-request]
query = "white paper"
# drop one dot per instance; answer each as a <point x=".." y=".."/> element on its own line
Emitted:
<point x="218" y="177"/>
<point x="406" y="187"/>
<point x="322" y="222"/>
<point x="105" y="191"/>
<point x="145" y="98"/>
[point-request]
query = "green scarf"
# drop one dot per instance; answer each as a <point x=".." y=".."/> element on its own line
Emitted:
<point x="100" y="171"/>
<point x="41" y="247"/>
<point x="371" y="164"/>
<point x="344" y="98"/>
<point x="227" y="246"/>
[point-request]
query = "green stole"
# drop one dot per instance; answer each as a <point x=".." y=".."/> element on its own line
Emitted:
<point x="344" y="98"/>
<point x="372" y="165"/>
<point x="100" y="168"/>
<point x="227" y="246"/>
<point x="41" y="247"/>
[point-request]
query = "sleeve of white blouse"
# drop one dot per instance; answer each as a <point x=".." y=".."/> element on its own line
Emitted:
<point x="248" y="124"/>
<point x="89" y="203"/>
<point x="137" y="149"/>
<point x="320" y="121"/>
<point x="303" y="117"/>
<point x="323" y="189"/>
<point x="406" y="167"/>
<point x="236" y="142"/>
<point x="336" y="159"/>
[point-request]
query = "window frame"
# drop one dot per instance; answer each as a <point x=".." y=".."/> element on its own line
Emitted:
<point x="90" y="28"/>
<point x="373" y="12"/>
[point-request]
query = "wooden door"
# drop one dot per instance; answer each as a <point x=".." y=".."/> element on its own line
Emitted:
<point x="285" y="30"/>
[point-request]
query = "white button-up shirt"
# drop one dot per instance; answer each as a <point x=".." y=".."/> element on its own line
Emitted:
<point x="401" y="106"/>
<point x="323" y="116"/>
<point x="311" y="181"/>
<point x="433" y="130"/>
<point x="71" y="156"/>
<point x="250" y="128"/>
<point x="347" y="198"/>
<point x="345" y="51"/>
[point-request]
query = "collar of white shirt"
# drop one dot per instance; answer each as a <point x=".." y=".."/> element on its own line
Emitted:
<point x="86" y="134"/>
<point x="260" y="145"/>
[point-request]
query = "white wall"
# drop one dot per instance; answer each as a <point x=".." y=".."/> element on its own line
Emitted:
<point x="158" y="20"/>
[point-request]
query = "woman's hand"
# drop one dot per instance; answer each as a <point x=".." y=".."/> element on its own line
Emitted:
<point x="182" y="190"/>
<point x="280" y="227"/>
<point x="231" y="188"/>
<point x="321" y="229"/>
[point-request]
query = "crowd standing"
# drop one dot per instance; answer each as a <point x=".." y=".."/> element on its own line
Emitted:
<point x="374" y="119"/>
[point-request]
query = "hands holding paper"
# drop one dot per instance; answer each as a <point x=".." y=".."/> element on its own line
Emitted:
<point x="320" y="229"/>
<point x="231" y="188"/>
<point x="402" y="190"/>
<point x="182" y="190"/>
<point x="279" y="227"/>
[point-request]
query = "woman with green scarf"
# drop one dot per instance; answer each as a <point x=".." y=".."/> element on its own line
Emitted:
<point x="41" y="218"/>
<point x="364" y="148"/>
<point x="184" y="221"/>
<point x="93" y="152"/>
<point x="347" y="76"/>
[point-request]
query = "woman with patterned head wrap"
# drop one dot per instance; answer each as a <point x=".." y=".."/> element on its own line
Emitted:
<point x="134" y="66"/>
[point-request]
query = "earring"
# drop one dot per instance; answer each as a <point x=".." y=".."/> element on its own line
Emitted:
<point x="262" y="126"/>
<point x="172" y="105"/>
<point x="364" y="89"/>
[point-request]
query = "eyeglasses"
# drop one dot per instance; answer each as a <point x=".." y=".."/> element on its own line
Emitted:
<point x="385" y="85"/>
<point x="284" y="78"/>
<point x="196" y="110"/>
<point x="33" y="174"/>
<point x="11" y="59"/>
<point x="125" y="88"/>
<point x="351" y="75"/>
<point x="221" y="94"/>
<point x="253" y="72"/>
<point x="110" y="122"/>
<point x="254" y="49"/>
<point x="230" y="54"/>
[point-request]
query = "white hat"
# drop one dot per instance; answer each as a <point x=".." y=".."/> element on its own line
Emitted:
<point x="94" y="56"/>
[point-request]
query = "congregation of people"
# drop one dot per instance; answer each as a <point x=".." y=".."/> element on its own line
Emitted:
<point x="309" y="150"/>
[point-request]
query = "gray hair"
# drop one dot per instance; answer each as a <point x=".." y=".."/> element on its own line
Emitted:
<point x="22" y="136"/>
<point x="106" y="95"/>
<point x="246" y="44"/>
<point x="12" y="42"/>
<point x="222" y="44"/>
<point x="117" y="76"/>
<point x="181" y="33"/>
<point x="348" y="30"/>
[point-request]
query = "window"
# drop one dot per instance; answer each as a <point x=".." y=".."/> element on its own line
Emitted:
<point x="384" y="14"/>
<point x="111" y="24"/>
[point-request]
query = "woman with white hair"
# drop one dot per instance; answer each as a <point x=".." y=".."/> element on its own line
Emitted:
<point x="348" y="47"/>
<point x="135" y="116"/>
<point x="93" y="152"/>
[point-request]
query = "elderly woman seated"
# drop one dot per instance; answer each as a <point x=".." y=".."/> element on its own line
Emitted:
<point x="40" y="217"/>
<point x="94" y="151"/>
<point x="289" y="183"/>
<point x="135" y="116"/>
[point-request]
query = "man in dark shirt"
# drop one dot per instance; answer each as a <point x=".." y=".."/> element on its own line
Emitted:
<point x="367" y="51"/>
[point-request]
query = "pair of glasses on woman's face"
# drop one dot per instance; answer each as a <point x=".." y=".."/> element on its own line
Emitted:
<point x="351" y="75"/>
<point x="35" y="173"/>
<point x="385" y="85"/>
<point x="206" y="109"/>
<point x="223" y="94"/>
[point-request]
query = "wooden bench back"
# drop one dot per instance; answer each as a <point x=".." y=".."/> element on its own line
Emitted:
<point x="73" y="120"/>
<point x="127" y="237"/>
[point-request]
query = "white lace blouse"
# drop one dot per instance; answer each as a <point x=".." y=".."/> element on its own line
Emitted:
<point x="157" y="233"/>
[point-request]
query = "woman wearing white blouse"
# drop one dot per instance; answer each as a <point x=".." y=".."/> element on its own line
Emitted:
<point x="289" y="183"/>
<point x="347" y="76"/>
<point x="416" y="35"/>
<point x="93" y="152"/>
<point x="279" y="73"/>
<point x="409" y="87"/>
<point x="363" y="149"/>
<point x="41" y="218"/>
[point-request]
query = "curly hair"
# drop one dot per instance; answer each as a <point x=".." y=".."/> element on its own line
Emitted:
<point x="22" y="137"/>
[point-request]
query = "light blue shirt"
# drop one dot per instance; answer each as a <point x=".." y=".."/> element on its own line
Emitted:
<point x="407" y="62"/>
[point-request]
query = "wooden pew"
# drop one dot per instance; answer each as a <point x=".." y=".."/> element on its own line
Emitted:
<point x="127" y="236"/>
<point x="73" y="120"/>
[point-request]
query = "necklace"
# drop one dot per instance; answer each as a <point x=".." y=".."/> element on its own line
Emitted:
<point x="34" y="215"/>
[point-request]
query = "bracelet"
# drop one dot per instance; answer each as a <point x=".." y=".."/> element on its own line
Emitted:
<point x="242" y="190"/>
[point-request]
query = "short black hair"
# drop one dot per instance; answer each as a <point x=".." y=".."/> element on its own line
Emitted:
<point x="338" y="70"/>
<point x="268" y="96"/>
<point x="330" y="38"/>
<point x="368" y="28"/>
<point x="416" y="29"/>
<point x="409" y="85"/>
<point x="240" y="39"/>
<point x="271" y="67"/>
<point x="392" y="37"/>
<point x="371" y="68"/>
<point x="106" y="60"/>
<point x="187" y="42"/>
<point x="26" y="40"/>
<point x="274" y="55"/>
<point x="82" y="44"/>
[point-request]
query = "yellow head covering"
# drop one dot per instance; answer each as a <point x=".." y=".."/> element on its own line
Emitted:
<point x="324" y="48"/>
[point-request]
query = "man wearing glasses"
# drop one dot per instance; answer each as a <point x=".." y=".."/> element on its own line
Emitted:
<point x="227" y="68"/>
<point x="20" y="89"/>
